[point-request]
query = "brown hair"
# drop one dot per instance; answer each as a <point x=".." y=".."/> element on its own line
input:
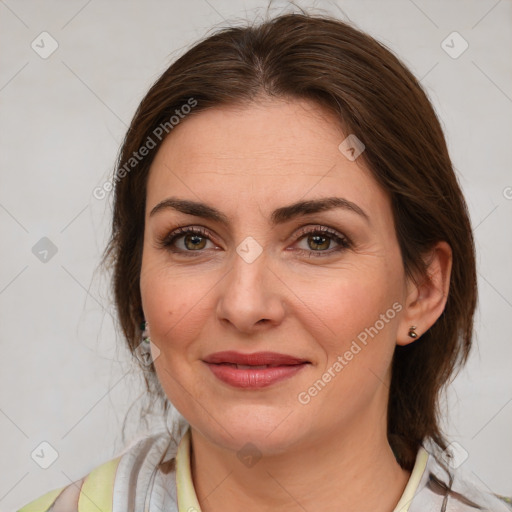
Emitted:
<point x="377" y="99"/>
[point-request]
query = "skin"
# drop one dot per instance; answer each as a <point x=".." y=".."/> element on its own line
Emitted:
<point x="332" y="453"/>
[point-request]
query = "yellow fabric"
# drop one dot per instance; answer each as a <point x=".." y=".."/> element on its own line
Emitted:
<point x="98" y="489"/>
<point x="96" y="494"/>
<point x="187" y="498"/>
<point x="414" y="481"/>
<point x="43" y="503"/>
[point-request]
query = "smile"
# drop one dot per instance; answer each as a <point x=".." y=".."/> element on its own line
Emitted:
<point x="253" y="371"/>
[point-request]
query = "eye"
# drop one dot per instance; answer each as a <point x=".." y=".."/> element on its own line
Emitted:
<point x="319" y="238"/>
<point x="194" y="240"/>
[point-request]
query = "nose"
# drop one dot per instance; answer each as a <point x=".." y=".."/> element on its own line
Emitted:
<point x="251" y="295"/>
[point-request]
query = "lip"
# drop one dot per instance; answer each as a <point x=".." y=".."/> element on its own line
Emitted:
<point x="279" y="367"/>
<point x="254" y="359"/>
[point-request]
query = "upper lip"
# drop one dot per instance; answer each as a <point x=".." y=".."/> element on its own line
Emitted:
<point x="254" y="359"/>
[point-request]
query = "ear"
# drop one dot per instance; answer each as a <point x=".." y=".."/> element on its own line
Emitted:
<point x="426" y="299"/>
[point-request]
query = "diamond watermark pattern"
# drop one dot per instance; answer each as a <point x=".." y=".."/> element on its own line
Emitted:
<point x="351" y="147"/>
<point x="249" y="455"/>
<point x="454" y="45"/>
<point x="249" y="249"/>
<point x="146" y="353"/>
<point x="44" y="250"/>
<point x="44" y="455"/>
<point x="44" y="45"/>
<point x="455" y="455"/>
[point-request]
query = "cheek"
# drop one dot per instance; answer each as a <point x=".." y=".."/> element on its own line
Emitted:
<point x="172" y="304"/>
<point x="175" y="307"/>
<point x="357" y="334"/>
<point x="355" y="323"/>
<point x="346" y="304"/>
<point x="177" y="303"/>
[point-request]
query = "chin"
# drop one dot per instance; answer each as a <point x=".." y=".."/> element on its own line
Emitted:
<point x="256" y="430"/>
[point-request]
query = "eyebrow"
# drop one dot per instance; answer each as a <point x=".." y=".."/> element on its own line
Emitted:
<point x="279" y="216"/>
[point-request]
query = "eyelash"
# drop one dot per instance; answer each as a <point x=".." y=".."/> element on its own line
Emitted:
<point x="167" y="241"/>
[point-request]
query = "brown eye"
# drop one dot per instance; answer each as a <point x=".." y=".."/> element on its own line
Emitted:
<point x="194" y="240"/>
<point x="319" y="240"/>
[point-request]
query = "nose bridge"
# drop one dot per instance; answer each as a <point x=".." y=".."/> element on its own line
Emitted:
<point x="250" y="264"/>
<point x="248" y="294"/>
<point x="249" y="250"/>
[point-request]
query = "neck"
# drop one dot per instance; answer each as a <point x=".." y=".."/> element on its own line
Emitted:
<point x="348" y="471"/>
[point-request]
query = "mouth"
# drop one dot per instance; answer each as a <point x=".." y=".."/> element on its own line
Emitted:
<point x="257" y="370"/>
<point x="251" y="367"/>
<point x="255" y="359"/>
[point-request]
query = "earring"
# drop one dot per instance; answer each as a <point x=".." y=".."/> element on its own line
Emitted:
<point x="147" y="351"/>
<point x="412" y="332"/>
<point x="144" y="327"/>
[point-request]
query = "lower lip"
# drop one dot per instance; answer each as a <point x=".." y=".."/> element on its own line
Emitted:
<point x="254" y="379"/>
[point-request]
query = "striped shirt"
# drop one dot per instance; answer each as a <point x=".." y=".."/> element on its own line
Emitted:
<point x="154" y="475"/>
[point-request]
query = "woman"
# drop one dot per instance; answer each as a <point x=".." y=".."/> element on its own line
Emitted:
<point x="294" y="268"/>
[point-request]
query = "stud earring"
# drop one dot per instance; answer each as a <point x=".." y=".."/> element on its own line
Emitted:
<point x="412" y="332"/>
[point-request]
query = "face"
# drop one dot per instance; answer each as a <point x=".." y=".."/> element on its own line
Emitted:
<point x="322" y="286"/>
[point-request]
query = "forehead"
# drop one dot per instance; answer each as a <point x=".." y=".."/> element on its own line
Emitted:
<point x="272" y="153"/>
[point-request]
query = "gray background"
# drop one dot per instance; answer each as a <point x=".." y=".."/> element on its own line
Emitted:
<point x="66" y="378"/>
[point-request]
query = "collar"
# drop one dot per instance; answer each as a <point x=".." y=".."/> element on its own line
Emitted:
<point x="187" y="498"/>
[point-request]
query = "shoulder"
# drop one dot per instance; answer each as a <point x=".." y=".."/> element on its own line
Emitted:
<point x="446" y="484"/>
<point x="127" y="478"/>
